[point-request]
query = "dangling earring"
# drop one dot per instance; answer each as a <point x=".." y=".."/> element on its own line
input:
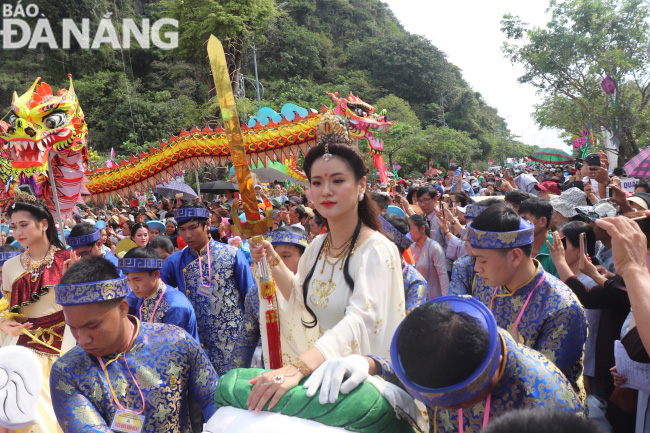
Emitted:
<point x="361" y="196"/>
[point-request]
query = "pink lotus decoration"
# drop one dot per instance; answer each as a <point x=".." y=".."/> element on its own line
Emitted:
<point x="396" y="167"/>
<point x="580" y="141"/>
<point x="608" y="85"/>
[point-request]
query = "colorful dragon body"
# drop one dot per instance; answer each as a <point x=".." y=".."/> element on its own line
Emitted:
<point x="361" y="121"/>
<point x="46" y="127"/>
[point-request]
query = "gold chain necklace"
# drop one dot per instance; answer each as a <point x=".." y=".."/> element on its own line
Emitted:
<point x="36" y="267"/>
<point x="326" y="255"/>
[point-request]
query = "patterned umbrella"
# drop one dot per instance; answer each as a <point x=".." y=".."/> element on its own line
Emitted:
<point x="639" y="166"/>
<point x="432" y="172"/>
<point x="170" y="189"/>
<point x="551" y="156"/>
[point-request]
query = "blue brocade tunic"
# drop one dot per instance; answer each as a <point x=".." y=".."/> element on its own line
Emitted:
<point x="166" y="363"/>
<point x="249" y="333"/>
<point x="415" y="287"/>
<point x="554" y="322"/>
<point x="173" y="309"/>
<point x="463" y="277"/>
<point x="529" y="381"/>
<point x="219" y="315"/>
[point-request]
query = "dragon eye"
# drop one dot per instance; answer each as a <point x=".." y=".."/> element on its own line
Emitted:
<point x="12" y="119"/>
<point x="358" y="112"/>
<point x="55" y="120"/>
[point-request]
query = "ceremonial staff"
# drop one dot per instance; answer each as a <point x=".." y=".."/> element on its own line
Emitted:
<point x="255" y="226"/>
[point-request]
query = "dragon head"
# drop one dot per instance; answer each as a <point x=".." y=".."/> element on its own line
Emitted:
<point x="42" y="122"/>
<point x="362" y="119"/>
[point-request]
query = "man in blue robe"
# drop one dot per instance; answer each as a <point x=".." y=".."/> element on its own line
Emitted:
<point x="215" y="278"/>
<point x="124" y="374"/>
<point x="156" y="302"/>
<point x="84" y="241"/>
<point x="537" y="309"/>
<point x="450" y="354"/>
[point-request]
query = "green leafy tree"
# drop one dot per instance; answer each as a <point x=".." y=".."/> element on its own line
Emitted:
<point x="397" y="109"/>
<point x="236" y="23"/>
<point x="585" y="41"/>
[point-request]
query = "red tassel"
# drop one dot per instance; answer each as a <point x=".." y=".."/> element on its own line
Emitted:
<point x="273" y="334"/>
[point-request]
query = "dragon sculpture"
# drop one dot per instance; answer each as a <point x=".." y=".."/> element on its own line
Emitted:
<point x="361" y="120"/>
<point x="44" y="127"/>
<point x="47" y="128"/>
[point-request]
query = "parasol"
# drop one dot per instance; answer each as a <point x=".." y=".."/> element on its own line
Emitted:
<point x="639" y="166"/>
<point x="218" y="186"/>
<point x="170" y="189"/>
<point x="267" y="174"/>
<point x="551" y="156"/>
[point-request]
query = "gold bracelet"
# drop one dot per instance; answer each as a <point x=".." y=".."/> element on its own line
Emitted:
<point x="302" y="367"/>
<point x="275" y="261"/>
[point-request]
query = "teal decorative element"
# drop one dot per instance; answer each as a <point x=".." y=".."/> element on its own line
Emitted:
<point x="266" y="114"/>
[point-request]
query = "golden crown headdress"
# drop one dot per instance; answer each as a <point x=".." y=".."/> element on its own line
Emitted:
<point x="332" y="129"/>
<point x="22" y="196"/>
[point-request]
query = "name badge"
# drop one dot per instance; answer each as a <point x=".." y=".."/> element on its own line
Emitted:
<point x="205" y="290"/>
<point x="127" y="422"/>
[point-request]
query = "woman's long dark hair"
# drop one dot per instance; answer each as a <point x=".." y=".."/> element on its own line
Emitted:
<point x="421" y="221"/>
<point x="368" y="211"/>
<point x="39" y="211"/>
<point x="135" y="228"/>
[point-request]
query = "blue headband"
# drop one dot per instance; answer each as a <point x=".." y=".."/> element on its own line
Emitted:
<point x="133" y="265"/>
<point x="394" y="235"/>
<point x="498" y="240"/>
<point x="95" y="291"/>
<point x="477" y="381"/>
<point x="189" y="213"/>
<point x="4" y="256"/>
<point x="473" y="210"/>
<point x="286" y="237"/>
<point x="81" y="241"/>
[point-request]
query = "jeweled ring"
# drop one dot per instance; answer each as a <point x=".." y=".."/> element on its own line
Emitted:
<point x="278" y="379"/>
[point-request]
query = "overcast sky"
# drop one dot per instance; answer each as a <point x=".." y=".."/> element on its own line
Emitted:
<point x="468" y="31"/>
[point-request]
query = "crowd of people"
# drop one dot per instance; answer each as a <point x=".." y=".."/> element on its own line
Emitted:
<point x="477" y="293"/>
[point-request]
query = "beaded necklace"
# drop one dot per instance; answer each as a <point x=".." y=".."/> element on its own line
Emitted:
<point x="36" y="267"/>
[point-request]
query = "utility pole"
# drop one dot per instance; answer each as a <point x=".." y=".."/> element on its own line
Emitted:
<point x="257" y="81"/>
<point x="442" y="104"/>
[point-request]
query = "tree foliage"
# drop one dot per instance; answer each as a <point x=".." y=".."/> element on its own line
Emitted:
<point x="585" y="41"/>
<point x="303" y="49"/>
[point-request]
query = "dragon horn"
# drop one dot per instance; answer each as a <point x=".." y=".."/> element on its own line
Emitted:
<point x="71" y="88"/>
<point x="18" y="101"/>
<point x="29" y="91"/>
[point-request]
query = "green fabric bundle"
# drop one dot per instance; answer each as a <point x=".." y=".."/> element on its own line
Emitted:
<point x="362" y="410"/>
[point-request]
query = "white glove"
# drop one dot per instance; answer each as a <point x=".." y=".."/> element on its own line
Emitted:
<point x="329" y="377"/>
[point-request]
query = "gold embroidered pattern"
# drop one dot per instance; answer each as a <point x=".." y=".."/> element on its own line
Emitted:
<point x="320" y="292"/>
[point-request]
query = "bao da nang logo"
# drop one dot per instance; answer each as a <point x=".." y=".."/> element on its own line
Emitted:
<point x="19" y="31"/>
